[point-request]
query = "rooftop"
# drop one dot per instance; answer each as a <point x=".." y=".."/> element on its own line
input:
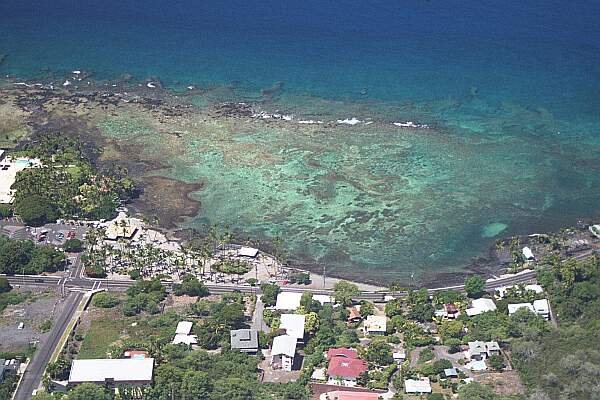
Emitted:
<point x="247" y="252"/>
<point x="244" y="339"/>
<point x="341" y="352"/>
<point x="479" y="306"/>
<point x="288" y="300"/>
<point x="184" y="328"/>
<point x="512" y="308"/>
<point x="376" y="323"/>
<point x="284" y="344"/>
<point x="117" y="370"/>
<point x="417" y="386"/>
<point x="346" y="367"/>
<point x="293" y="325"/>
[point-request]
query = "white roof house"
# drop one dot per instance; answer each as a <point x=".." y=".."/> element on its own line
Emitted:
<point x="293" y="325"/>
<point x="417" y="386"/>
<point x="247" y="252"/>
<point x="185" y="339"/>
<point x="101" y="371"/>
<point x="288" y="300"/>
<point x="512" y="308"/>
<point x="534" y="287"/>
<point x="479" y="306"/>
<point x="376" y="324"/>
<point x="528" y="253"/>
<point x="284" y="344"/>
<point x="323" y="299"/>
<point x="542" y="308"/>
<point x="184" y="328"/>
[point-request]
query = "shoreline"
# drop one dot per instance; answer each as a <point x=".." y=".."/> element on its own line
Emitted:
<point x="172" y="220"/>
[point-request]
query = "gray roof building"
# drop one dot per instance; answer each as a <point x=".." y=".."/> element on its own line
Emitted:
<point x="245" y="340"/>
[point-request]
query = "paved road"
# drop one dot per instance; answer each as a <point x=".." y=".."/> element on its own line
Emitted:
<point x="33" y="374"/>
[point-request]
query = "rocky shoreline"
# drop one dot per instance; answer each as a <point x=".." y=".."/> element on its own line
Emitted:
<point x="165" y="199"/>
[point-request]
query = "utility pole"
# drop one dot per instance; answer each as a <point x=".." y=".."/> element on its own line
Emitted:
<point x="324" y="273"/>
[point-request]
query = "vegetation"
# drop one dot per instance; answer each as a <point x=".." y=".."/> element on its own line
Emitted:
<point x="67" y="185"/>
<point x="73" y="245"/>
<point x="564" y="363"/>
<point x="302" y="278"/>
<point x="105" y="300"/>
<point x="144" y="296"/>
<point x="474" y="286"/>
<point x="23" y="257"/>
<point x="237" y="267"/>
<point x="5" y="211"/>
<point x="190" y="286"/>
<point x="344" y="292"/>
<point x="269" y="294"/>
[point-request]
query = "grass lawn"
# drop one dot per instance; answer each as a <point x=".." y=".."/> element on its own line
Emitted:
<point x="102" y="333"/>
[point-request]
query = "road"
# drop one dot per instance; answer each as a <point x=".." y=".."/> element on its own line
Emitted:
<point x="258" y="322"/>
<point x="33" y="374"/>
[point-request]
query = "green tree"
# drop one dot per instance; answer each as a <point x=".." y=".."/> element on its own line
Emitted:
<point x="195" y="385"/>
<point x="105" y="300"/>
<point x="380" y="353"/>
<point x="4" y="285"/>
<point x="89" y="391"/>
<point x="475" y="391"/>
<point x="59" y="369"/>
<point x="190" y="286"/>
<point x="344" y="292"/>
<point x="366" y="308"/>
<point x="497" y="362"/>
<point x="73" y="245"/>
<point x="393" y="308"/>
<point x="36" y="210"/>
<point x="269" y="294"/>
<point x="474" y="286"/>
<point x="5" y="211"/>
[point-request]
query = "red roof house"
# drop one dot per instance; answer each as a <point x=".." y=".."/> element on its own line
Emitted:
<point x="345" y="395"/>
<point x="341" y="352"/>
<point x="347" y="369"/>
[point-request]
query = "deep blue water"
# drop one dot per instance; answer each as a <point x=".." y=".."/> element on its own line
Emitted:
<point x="537" y="53"/>
<point x="525" y="72"/>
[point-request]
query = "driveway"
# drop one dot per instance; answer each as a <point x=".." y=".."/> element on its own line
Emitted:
<point x="258" y="321"/>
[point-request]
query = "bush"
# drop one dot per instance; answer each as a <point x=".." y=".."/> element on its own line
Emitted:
<point x="73" y="246"/>
<point x="269" y="293"/>
<point x="237" y="267"/>
<point x="4" y="285"/>
<point x="134" y="274"/>
<point x="5" y="211"/>
<point x="190" y="286"/>
<point x="105" y="300"/>
<point x="302" y="278"/>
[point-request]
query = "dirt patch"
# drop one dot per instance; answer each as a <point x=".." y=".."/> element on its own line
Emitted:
<point x="44" y="305"/>
<point x="504" y="383"/>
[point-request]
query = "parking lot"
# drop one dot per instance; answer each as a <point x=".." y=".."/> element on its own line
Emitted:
<point x="50" y="234"/>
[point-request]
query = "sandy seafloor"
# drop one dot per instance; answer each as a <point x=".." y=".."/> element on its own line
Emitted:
<point x="511" y="98"/>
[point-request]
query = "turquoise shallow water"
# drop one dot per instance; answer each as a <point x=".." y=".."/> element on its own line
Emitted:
<point x="512" y="95"/>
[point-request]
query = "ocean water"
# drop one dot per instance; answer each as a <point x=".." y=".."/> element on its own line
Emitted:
<point x="511" y="92"/>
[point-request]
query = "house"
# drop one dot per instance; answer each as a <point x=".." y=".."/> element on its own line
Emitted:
<point x="479" y="306"/>
<point x="248" y="252"/>
<point x="512" y="308"/>
<point x="528" y="254"/>
<point x="376" y="325"/>
<point x="184" y="328"/>
<point x="354" y="314"/>
<point x="341" y="352"/>
<point x="542" y="308"/>
<point x="124" y="371"/>
<point x="182" y="334"/>
<point x="479" y="350"/>
<point x="346" y="395"/>
<point x="450" y="373"/>
<point x="293" y="324"/>
<point x="283" y="352"/>
<point x="345" y="371"/>
<point x="244" y="340"/>
<point x="323" y="299"/>
<point x="288" y="301"/>
<point x="413" y="386"/>
<point x="399" y="356"/>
